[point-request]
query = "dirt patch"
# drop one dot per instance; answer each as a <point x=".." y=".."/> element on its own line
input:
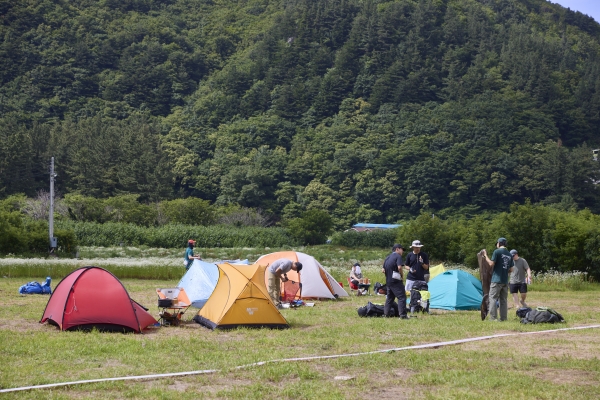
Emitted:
<point x="394" y="392"/>
<point x="584" y="345"/>
<point x="565" y="376"/>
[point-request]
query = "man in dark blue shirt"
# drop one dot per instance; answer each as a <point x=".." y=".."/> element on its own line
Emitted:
<point x="392" y="268"/>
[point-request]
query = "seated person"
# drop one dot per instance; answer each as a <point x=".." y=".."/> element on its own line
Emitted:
<point x="355" y="277"/>
<point x="356" y="274"/>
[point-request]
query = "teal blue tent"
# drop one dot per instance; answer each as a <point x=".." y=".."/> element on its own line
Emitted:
<point x="455" y="290"/>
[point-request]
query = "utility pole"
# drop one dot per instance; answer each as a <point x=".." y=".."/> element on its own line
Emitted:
<point x="53" y="240"/>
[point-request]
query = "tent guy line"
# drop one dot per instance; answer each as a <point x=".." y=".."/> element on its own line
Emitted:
<point x="211" y="371"/>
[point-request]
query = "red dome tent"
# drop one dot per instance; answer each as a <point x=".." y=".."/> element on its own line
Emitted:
<point x="92" y="297"/>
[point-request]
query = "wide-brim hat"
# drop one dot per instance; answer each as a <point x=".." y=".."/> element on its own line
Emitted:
<point x="416" y="243"/>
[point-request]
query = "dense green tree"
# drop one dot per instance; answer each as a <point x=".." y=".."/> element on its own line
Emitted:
<point x="369" y="110"/>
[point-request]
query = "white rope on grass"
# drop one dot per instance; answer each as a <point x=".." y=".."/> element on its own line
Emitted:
<point x="212" y="371"/>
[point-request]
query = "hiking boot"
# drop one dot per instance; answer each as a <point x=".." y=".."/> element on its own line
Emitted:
<point x="403" y="317"/>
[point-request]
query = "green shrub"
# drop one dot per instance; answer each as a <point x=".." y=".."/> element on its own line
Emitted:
<point x="434" y="233"/>
<point x="19" y="235"/>
<point x="313" y="228"/>
<point x="186" y="211"/>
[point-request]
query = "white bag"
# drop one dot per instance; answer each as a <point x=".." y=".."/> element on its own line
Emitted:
<point x="185" y="263"/>
<point x="396" y="275"/>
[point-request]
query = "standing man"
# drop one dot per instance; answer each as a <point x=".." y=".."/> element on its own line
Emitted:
<point x="502" y="264"/>
<point x="392" y="268"/>
<point x="189" y="257"/>
<point x="518" y="280"/>
<point x="277" y="273"/>
<point x="417" y="263"/>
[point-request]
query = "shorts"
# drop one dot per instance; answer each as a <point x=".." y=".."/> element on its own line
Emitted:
<point x="518" y="288"/>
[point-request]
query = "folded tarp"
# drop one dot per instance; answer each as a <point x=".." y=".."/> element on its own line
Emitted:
<point x="36" y="287"/>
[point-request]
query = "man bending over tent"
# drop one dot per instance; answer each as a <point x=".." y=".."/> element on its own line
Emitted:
<point x="277" y="273"/>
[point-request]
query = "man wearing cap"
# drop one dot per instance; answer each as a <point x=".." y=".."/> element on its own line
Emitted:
<point x="189" y="257"/>
<point x="417" y="263"/>
<point x="518" y="281"/>
<point x="277" y="273"/>
<point x="502" y="265"/>
<point x="392" y="268"/>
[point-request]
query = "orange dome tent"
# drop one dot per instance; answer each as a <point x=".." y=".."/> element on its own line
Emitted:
<point x="316" y="282"/>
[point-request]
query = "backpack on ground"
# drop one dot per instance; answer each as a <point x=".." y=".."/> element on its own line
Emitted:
<point x="376" y="310"/>
<point x="542" y="315"/>
<point x="419" y="298"/>
<point x="522" y="312"/>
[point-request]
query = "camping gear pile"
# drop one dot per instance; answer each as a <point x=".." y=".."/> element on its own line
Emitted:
<point x="36" y="287"/>
<point x="419" y="298"/>
<point x="174" y="302"/>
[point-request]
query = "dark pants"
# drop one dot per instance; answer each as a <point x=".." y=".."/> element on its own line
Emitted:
<point x="395" y="290"/>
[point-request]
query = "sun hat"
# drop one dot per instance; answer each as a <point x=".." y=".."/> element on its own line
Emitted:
<point x="191" y="241"/>
<point x="416" y="243"/>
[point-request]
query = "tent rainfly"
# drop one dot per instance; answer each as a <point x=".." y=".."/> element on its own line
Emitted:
<point x="455" y="290"/>
<point x="92" y="297"/>
<point x="316" y="282"/>
<point x="199" y="282"/>
<point x="240" y="298"/>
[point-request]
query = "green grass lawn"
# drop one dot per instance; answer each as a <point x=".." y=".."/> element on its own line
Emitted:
<point x="544" y="366"/>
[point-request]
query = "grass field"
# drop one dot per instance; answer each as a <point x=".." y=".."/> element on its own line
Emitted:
<point x="548" y="365"/>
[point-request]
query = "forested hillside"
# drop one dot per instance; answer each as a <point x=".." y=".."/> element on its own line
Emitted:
<point x="370" y="110"/>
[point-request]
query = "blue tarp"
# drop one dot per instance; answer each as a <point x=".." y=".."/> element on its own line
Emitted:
<point x="455" y="290"/>
<point x="36" y="287"/>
